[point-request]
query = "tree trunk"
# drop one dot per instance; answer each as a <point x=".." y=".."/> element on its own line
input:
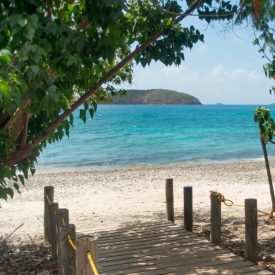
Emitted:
<point x="271" y="189"/>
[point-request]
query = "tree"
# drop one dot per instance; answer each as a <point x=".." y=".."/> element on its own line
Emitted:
<point x="267" y="132"/>
<point x="58" y="56"/>
<point x="264" y="25"/>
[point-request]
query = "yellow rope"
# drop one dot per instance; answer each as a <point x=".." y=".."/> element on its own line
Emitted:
<point x="71" y="242"/>
<point x="230" y="203"/>
<point x="47" y="198"/>
<point x="264" y="213"/>
<point x="222" y="199"/>
<point x="89" y="255"/>
<point x="91" y="262"/>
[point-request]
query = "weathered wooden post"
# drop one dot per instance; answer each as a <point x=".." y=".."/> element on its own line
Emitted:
<point x="215" y="220"/>
<point x="52" y="223"/>
<point x="169" y="200"/>
<point x="62" y="219"/>
<point x="251" y="234"/>
<point x="66" y="260"/>
<point x="48" y="198"/>
<point x="86" y="246"/>
<point x="188" y="208"/>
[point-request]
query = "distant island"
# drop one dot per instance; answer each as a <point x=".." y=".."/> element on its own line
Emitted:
<point x="156" y="96"/>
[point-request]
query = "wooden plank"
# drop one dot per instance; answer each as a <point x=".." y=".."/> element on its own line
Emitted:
<point x="139" y="254"/>
<point x="150" y="248"/>
<point x="140" y="230"/>
<point x="203" y="266"/>
<point x="164" y="253"/>
<point x="132" y="240"/>
<point x="103" y="241"/>
<point x="146" y="242"/>
<point x="143" y="230"/>
<point x="136" y="227"/>
<point x="192" y="263"/>
<point x="118" y="238"/>
<point x="165" y="249"/>
<point x="242" y="266"/>
<point x="156" y="259"/>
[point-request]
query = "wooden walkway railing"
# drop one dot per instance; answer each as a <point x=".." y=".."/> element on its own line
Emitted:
<point x="150" y="248"/>
<point x="74" y="255"/>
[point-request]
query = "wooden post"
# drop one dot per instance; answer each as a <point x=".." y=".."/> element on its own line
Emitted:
<point x="52" y="220"/>
<point x="188" y="208"/>
<point x="62" y="219"/>
<point x="85" y="244"/>
<point x="251" y="234"/>
<point x="66" y="260"/>
<point x="48" y="198"/>
<point x="216" y="224"/>
<point x="169" y="200"/>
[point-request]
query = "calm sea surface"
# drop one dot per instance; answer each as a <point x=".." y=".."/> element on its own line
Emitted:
<point x="134" y="134"/>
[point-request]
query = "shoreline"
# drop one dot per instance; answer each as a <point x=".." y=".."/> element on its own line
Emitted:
<point x="56" y="168"/>
<point x="103" y="199"/>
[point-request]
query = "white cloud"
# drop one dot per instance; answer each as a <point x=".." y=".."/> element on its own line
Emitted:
<point x="219" y="72"/>
<point x="201" y="50"/>
<point x="173" y="72"/>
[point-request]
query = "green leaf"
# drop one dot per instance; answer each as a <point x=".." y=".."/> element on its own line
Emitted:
<point x="71" y="117"/>
<point x="10" y="192"/>
<point x="5" y="56"/>
<point x="86" y="105"/>
<point x="92" y="112"/>
<point x="21" y="177"/>
<point x="94" y="103"/>
<point x="32" y="169"/>
<point x="82" y="115"/>
<point x="16" y="186"/>
<point x="3" y="193"/>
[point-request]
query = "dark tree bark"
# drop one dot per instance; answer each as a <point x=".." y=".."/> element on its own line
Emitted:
<point x="267" y="166"/>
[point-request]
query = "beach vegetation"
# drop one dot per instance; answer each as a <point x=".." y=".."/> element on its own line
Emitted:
<point x="60" y="58"/>
<point x="267" y="132"/>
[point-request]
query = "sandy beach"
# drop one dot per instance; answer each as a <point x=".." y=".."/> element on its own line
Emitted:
<point x="111" y="198"/>
<point x="105" y="199"/>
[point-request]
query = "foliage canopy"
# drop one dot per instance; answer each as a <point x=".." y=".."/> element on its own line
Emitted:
<point x="57" y="56"/>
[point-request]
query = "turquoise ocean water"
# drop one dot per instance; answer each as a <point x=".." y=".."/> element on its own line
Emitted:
<point x="150" y="134"/>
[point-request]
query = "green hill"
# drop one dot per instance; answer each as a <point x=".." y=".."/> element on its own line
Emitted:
<point x="156" y="96"/>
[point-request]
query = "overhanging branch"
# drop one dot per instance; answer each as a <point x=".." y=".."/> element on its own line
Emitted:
<point x="29" y="149"/>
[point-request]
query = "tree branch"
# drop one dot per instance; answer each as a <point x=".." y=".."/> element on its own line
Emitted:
<point x="29" y="149"/>
<point x="25" y="131"/>
<point x="4" y="119"/>
<point x="15" y="124"/>
<point x="49" y="9"/>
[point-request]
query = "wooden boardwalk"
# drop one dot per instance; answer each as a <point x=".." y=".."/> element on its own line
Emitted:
<point x="165" y="248"/>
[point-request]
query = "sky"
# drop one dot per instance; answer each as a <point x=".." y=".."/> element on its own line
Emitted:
<point x="225" y="69"/>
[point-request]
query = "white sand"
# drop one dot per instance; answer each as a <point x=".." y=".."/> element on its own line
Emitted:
<point x="99" y="200"/>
